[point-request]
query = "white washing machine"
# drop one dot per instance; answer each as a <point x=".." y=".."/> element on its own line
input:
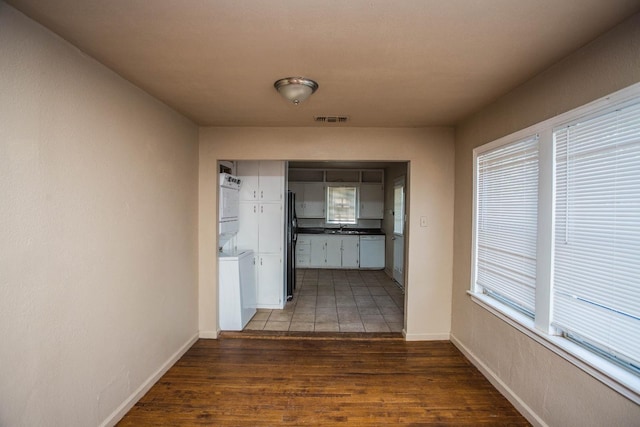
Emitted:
<point x="237" y="293"/>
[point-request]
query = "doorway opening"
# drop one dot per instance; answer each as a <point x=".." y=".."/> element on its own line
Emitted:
<point x="337" y="290"/>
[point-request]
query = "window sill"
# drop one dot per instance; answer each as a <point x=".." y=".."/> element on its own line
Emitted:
<point x="615" y="377"/>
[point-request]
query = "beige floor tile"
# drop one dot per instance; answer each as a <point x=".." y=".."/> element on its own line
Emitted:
<point x="301" y="326"/>
<point x="280" y="316"/>
<point x="327" y="317"/>
<point x="303" y="317"/>
<point x="364" y="311"/>
<point x="351" y="327"/>
<point x="256" y="325"/>
<point x="395" y="327"/>
<point x="349" y="316"/>
<point x="372" y="318"/>
<point x="325" y="301"/>
<point x="376" y="327"/>
<point x="362" y="301"/>
<point x="327" y="327"/>
<point x="276" y="326"/>
<point x="261" y="315"/>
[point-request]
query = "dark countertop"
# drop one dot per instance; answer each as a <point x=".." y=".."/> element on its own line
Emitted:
<point x="343" y="232"/>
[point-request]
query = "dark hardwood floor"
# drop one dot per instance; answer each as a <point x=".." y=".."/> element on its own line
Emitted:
<point x="322" y="380"/>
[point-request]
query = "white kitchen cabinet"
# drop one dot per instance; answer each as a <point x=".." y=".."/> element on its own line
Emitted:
<point x="270" y="228"/>
<point x="318" y="250"/>
<point x="261" y="180"/>
<point x="270" y="279"/>
<point x="261" y="226"/>
<point x="310" y="199"/>
<point x="371" y="201"/>
<point x="350" y="251"/>
<point x="334" y="251"/>
<point x="303" y="252"/>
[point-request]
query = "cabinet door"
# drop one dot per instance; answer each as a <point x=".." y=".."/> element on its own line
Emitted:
<point x="334" y="251"/>
<point x="247" y="237"/>
<point x="271" y="181"/>
<point x="371" y="201"/>
<point x="318" y="247"/>
<point x="249" y="172"/>
<point x="270" y="228"/>
<point x="351" y="251"/>
<point x="270" y="281"/>
<point x="314" y="200"/>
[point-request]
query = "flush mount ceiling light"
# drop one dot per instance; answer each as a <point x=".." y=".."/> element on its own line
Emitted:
<point x="296" y="89"/>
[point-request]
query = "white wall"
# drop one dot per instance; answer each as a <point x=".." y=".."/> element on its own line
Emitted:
<point x="549" y="389"/>
<point x="430" y="151"/>
<point x="98" y="232"/>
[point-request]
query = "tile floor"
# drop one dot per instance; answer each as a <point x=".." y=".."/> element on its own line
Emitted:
<point x="338" y="301"/>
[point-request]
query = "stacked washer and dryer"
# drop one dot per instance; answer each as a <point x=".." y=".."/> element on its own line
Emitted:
<point x="237" y="284"/>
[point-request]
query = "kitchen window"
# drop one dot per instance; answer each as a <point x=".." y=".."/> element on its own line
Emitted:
<point x="556" y="236"/>
<point x="341" y="205"/>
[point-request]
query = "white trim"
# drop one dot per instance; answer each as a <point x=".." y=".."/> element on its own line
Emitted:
<point x="126" y="406"/>
<point x="617" y="378"/>
<point x="444" y="336"/>
<point x="503" y="388"/>
<point x="209" y="335"/>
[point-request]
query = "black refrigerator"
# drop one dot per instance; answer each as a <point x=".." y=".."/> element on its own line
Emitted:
<point x="292" y="236"/>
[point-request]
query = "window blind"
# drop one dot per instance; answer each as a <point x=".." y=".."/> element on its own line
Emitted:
<point x="341" y="205"/>
<point x="506" y="223"/>
<point x="596" y="266"/>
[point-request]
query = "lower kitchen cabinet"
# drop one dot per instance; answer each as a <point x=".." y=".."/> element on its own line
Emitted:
<point x="269" y="280"/>
<point x="303" y="252"/>
<point x="350" y="251"/>
<point x="333" y="251"/>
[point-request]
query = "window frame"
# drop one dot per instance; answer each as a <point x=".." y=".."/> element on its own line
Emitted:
<point x="539" y="328"/>
<point x="356" y="205"/>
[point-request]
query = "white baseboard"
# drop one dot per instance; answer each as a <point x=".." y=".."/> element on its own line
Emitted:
<point x="122" y="410"/>
<point x="503" y="388"/>
<point x="209" y="335"/>
<point x="425" y="337"/>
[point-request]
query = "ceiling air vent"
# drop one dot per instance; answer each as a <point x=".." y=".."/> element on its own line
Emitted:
<point x="330" y="119"/>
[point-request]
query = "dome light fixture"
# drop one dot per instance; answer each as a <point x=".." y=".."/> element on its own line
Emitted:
<point x="296" y="89"/>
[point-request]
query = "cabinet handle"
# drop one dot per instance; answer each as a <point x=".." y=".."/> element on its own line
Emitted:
<point x="262" y="194"/>
<point x="260" y="261"/>
<point x="261" y="209"/>
<point x="254" y="194"/>
<point x="255" y="209"/>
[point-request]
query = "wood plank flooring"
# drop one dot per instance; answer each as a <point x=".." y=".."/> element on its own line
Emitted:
<point x="322" y="381"/>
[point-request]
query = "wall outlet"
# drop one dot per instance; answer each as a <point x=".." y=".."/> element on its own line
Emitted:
<point x="423" y="221"/>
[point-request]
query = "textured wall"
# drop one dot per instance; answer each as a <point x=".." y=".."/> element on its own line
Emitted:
<point x="430" y="152"/>
<point x="557" y="392"/>
<point x="98" y="232"/>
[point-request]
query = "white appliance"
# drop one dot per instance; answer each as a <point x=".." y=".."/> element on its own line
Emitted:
<point x="372" y="251"/>
<point x="237" y="294"/>
<point x="229" y="207"/>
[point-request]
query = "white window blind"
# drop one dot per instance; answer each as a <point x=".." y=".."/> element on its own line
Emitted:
<point x="341" y="205"/>
<point x="506" y="223"/>
<point x="596" y="265"/>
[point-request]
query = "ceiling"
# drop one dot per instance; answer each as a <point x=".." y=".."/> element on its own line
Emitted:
<point x="382" y="63"/>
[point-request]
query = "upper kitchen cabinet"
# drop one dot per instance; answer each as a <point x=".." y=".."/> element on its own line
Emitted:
<point x="371" y="201"/>
<point x="310" y="199"/>
<point x="261" y="180"/>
